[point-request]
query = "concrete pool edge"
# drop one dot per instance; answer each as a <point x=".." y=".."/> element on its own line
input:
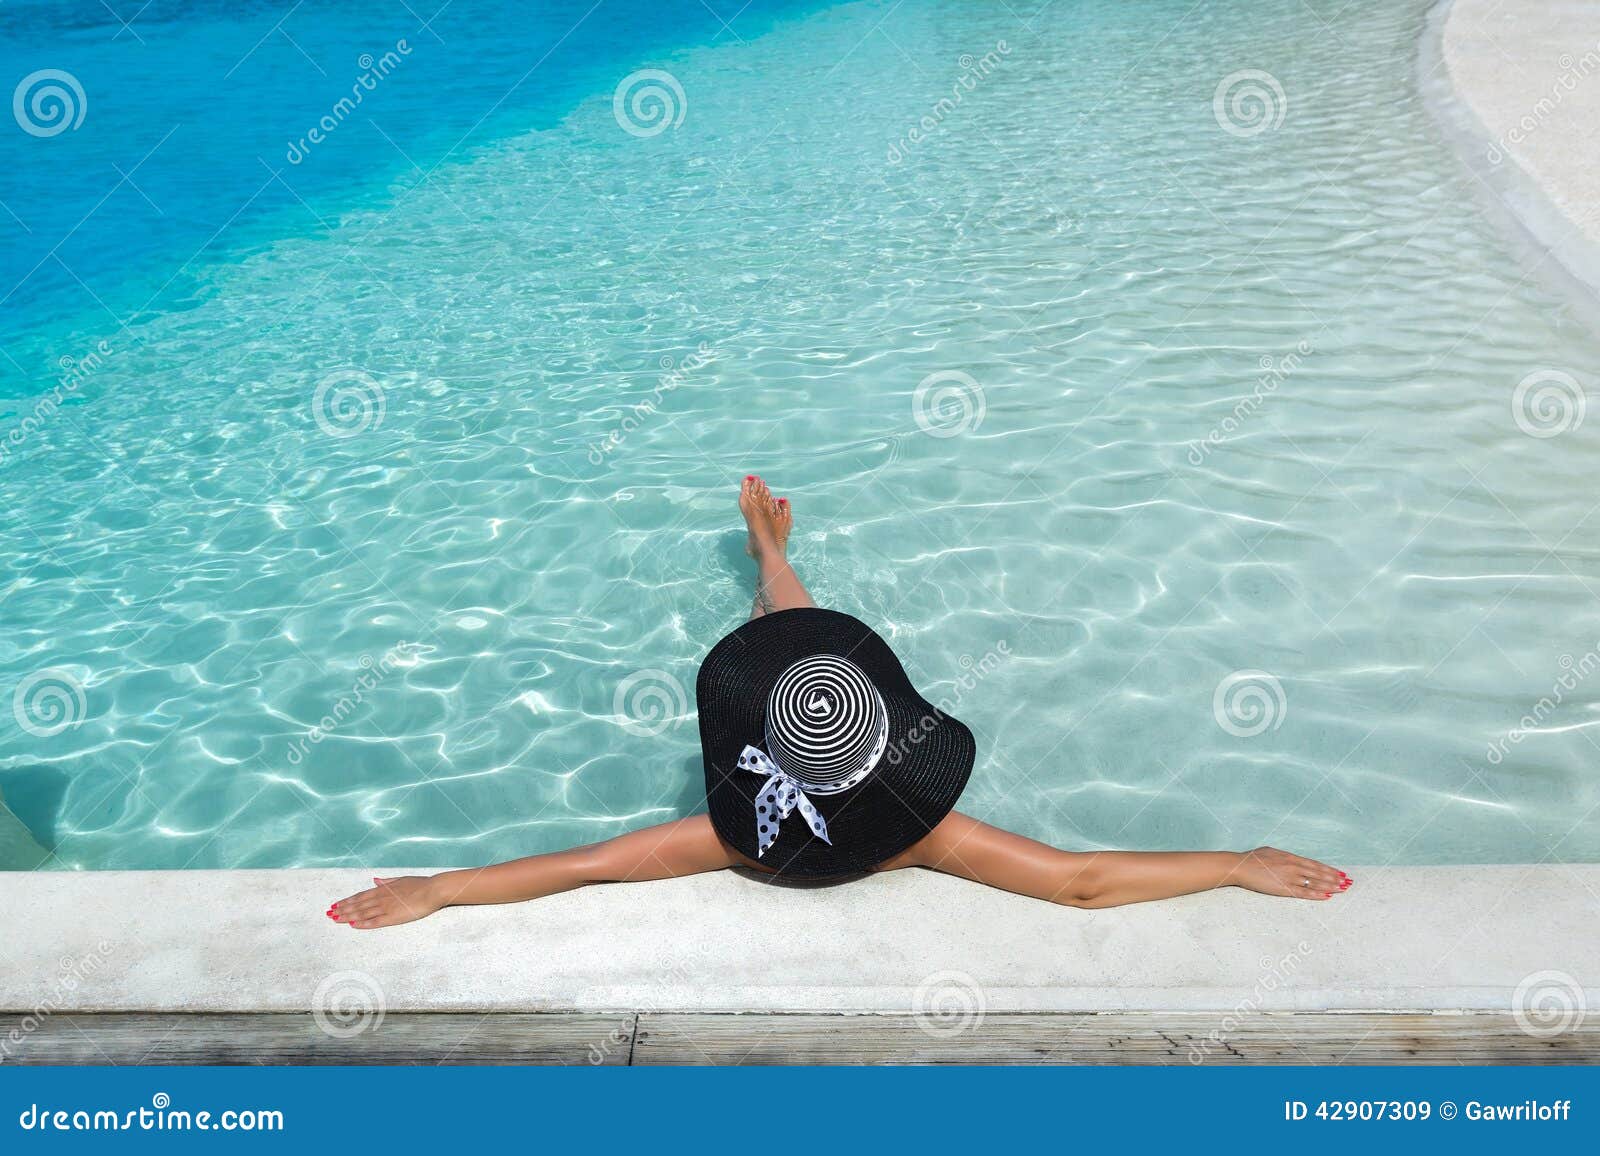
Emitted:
<point x="1479" y="75"/>
<point x="1414" y="938"/>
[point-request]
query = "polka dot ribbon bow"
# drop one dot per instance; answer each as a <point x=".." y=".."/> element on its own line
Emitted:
<point x="777" y="799"/>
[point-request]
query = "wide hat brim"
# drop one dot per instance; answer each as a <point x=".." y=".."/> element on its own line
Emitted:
<point x="922" y="773"/>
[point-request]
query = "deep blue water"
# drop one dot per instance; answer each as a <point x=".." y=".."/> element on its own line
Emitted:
<point x="191" y="109"/>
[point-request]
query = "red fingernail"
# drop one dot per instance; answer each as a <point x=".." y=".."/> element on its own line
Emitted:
<point x="783" y="501"/>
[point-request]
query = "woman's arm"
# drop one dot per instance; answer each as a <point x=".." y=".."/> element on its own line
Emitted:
<point x="963" y="846"/>
<point x="685" y="847"/>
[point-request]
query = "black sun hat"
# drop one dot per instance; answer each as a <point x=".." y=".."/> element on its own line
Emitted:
<point x="821" y="758"/>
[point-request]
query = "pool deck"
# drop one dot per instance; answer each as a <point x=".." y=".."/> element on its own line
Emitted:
<point x="174" y="945"/>
<point x="1519" y="90"/>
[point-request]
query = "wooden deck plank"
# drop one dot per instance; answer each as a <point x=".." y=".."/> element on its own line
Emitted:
<point x="1158" y="1038"/>
<point x="296" y="1038"/>
<point x="1109" y="1038"/>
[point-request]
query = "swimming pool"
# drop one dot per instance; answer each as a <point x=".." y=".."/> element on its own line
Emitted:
<point x="1147" y="371"/>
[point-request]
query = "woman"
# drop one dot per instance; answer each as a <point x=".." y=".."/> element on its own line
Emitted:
<point x="822" y="760"/>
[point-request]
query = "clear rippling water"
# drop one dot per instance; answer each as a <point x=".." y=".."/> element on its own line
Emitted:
<point x="1188" y="465"/>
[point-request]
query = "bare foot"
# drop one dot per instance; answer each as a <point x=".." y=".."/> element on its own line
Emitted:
<point x="770" y="519"/>
<point x="1274" y="872"/>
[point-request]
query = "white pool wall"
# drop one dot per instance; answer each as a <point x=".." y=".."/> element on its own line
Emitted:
<point x="1402" y="938"/>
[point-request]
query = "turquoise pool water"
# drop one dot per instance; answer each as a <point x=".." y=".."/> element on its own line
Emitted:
<point x="1176" y="440"/>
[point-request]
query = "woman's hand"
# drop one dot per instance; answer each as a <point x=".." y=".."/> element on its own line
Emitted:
<point x="1274" y="872"/>
<point x="390" y="902"/>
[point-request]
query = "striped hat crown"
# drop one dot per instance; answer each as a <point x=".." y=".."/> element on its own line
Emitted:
<point x="826" y="724"/>
<point x="782" y="680"/>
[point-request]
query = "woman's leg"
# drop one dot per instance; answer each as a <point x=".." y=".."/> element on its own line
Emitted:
<point x="770" y="520"/>
<point x="962" y="846"/>
<point x="685" y="847"/>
